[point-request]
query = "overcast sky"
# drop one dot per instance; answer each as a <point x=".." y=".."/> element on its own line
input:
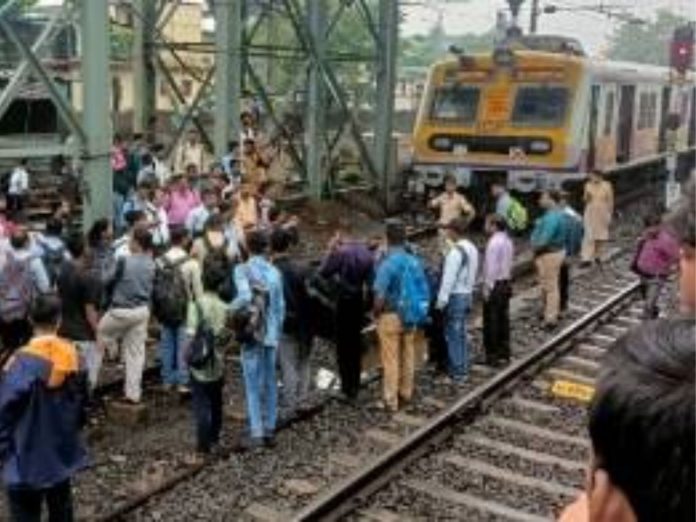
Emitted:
<point x="592" y="29"/>
<point x="472" y="16"/>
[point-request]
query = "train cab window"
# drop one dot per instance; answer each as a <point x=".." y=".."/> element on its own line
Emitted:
<point x="609" y="114"/>
<point x="455" y="103"/>
<point x="540" y="106"/>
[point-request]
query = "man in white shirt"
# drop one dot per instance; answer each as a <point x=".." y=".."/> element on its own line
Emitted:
<point x="134" y="219"/>
<point x="195" y="223"/>
<point x="18" y="189"/>
<point x="191" y="152"/>
<point x="455" y="296"/>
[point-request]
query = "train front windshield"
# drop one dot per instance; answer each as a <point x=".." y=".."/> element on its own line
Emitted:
<point x="455" y="104"/>
<point x="540" y="106"/>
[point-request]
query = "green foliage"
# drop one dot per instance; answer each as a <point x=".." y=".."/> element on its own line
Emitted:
<point x="121" y="43"/>
<point x="646" y="43"/>
<point x="25" y="4"/>
<point x="422" y="50"/>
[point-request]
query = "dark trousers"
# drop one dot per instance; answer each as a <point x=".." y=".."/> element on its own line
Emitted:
<point x="207" y="410"/>
<point x="349" y="343"/>
<point x="26" y="504"/>
<point x="496" y="323"/>
<point x="14" y="334"/>
<point x="437" y="346"/>
<point x="16" y="203"/>
<point x="564" y="285"/>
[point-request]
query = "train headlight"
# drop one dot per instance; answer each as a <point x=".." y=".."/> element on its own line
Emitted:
<point x="442" y="143"/>
<point x="540" y="146"/>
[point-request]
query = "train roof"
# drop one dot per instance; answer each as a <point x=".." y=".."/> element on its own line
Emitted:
<point x="605" y="69"/>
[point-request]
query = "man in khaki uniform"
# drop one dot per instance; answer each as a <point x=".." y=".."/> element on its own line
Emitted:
<point x="599" y="207"/>
<point x="452" y="205"/>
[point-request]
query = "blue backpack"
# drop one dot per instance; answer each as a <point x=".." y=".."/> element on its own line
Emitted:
<point x="414" y="293"/>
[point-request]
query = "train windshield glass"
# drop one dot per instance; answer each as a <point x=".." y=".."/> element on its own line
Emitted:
<point x="455" y="103"/>
<point x="540" y="106"/>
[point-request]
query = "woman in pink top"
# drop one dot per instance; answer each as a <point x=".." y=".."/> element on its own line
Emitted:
<point x="181" y="201"/>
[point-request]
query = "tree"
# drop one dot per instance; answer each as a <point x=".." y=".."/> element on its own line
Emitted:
<point x="646" y="43"/>
<point x="423" y="50"/>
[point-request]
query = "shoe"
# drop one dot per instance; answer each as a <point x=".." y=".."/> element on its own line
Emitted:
<point x="380" y="405"/>
<point x="269" y="441"/>
<point x="183" y="390"/>
<point x="252" y="443"/>
<point x="550" y="326"/>
<point x="196" y="458"/>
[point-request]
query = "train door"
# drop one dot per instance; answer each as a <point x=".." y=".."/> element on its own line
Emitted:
<point x="664" y="111"/>
<point x="594" y="116"/>
<point x="625" y="123"/>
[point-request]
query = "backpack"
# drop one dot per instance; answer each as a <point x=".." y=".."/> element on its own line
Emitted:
<point x="414" y="293"/>
<point x="16" y="288"/>
<point x="516" y="216"/>
<point x="250" y="321"/>
<point x="202" y="346"/>
<point x="53" y="258"/>
<point x="170" y="293"/>
<point x="216" y="259"/>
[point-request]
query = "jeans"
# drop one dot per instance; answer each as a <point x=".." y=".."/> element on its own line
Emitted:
<point x="119" y="223"/>
<point x="206" y="398"/>
<point x="456" y="314"/>
<point x="294" y="366"/>
<point x="258" y="366"/>
<point x="174" y="367"/>
<point x="25" y="505"/>
<point x="651" y="288"/>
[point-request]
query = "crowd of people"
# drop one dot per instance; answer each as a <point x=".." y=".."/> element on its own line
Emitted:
<point x="206" y="255"/>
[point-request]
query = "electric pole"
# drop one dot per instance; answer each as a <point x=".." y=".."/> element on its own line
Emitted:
<point x="534" y="17"/>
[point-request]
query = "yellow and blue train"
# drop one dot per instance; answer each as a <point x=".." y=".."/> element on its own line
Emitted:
<point x="539" y="114"/>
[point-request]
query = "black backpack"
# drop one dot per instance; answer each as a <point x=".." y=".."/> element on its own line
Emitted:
<point x="250" y="320"/>
<point x="170" y="293"/>
<point x="216" y="259"/>
<point x="202" y="346"/>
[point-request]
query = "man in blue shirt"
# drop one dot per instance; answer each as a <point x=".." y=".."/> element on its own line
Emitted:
<point x="259" y="358"/>
<point x="397" y="340"/>
<point x="548" y="242"/>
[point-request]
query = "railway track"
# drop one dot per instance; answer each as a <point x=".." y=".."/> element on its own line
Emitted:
<point x="513" y="448"/>
<point x="311" y="456"/>
<point x="322" y="450"/>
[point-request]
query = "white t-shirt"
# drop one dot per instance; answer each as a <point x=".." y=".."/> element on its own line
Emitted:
<point x="19" y="182"/>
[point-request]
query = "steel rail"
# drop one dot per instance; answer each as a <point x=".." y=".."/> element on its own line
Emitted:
<point x="346" y="496"/>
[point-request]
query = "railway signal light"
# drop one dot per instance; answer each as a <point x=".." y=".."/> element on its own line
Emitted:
<point x="682" y="50"/>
